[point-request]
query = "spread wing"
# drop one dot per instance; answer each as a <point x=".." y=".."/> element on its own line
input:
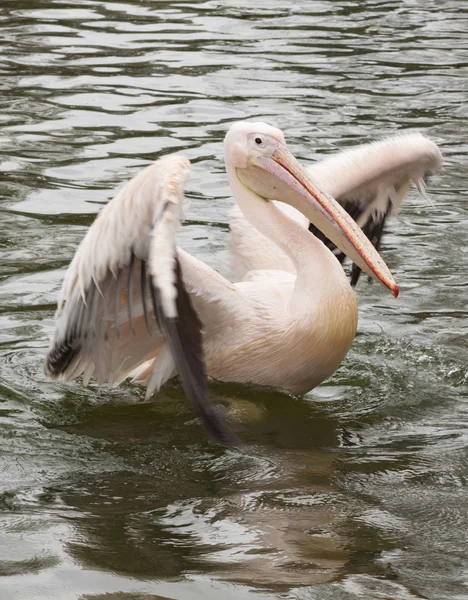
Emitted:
<point x="371" y="182"/>
<point x="124" y="302"/>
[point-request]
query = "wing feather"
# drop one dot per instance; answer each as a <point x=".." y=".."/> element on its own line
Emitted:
<point x="184" y="339"/>
<point x="101" y="316"/>
<point x="123" y="303"/>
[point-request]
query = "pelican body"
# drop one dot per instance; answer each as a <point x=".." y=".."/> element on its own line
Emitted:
<point x="135" y="305"/>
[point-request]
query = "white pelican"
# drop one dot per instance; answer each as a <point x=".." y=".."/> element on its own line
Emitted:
<point x="135" y="305"/>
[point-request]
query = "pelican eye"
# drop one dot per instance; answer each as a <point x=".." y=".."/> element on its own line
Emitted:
<point x="258" y="140"/>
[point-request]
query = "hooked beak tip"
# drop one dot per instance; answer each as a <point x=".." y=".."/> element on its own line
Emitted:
<point x="327" y="214"/>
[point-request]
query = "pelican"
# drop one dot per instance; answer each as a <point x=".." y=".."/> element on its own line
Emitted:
<point x="134" y="305"/>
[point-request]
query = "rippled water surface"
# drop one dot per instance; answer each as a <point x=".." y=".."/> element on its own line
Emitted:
<point x="358" y="490"/>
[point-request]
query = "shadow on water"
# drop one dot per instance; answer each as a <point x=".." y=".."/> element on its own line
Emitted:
<point x="180" y="504"/>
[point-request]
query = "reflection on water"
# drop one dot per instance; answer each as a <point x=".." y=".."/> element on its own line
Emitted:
<point x="357" y="490"/>
<point x="192" y="509"/>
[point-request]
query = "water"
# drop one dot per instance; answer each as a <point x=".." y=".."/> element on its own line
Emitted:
<point x="358" y="490"/>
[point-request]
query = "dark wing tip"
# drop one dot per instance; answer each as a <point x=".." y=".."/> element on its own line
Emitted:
<point x="184" y="338"/>
<point x="67" y="345"/>
<point x="211" y="418"/>
<point x="60" y="357"/>
<point x="373" y="228"/>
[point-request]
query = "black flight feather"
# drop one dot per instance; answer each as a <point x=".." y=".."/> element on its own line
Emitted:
<point x="373" y="228"/>
<point x="184" y="338"/>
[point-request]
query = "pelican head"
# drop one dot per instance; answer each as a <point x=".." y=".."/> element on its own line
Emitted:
<point x="267" y="169"/>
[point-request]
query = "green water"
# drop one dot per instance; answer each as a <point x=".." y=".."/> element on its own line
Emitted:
<point x="358" y="490"/>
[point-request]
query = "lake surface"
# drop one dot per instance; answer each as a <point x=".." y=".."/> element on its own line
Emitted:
<point x="359" y="489"/>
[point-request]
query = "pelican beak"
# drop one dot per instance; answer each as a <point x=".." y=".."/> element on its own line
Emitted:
<point x="292" y="184"/>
